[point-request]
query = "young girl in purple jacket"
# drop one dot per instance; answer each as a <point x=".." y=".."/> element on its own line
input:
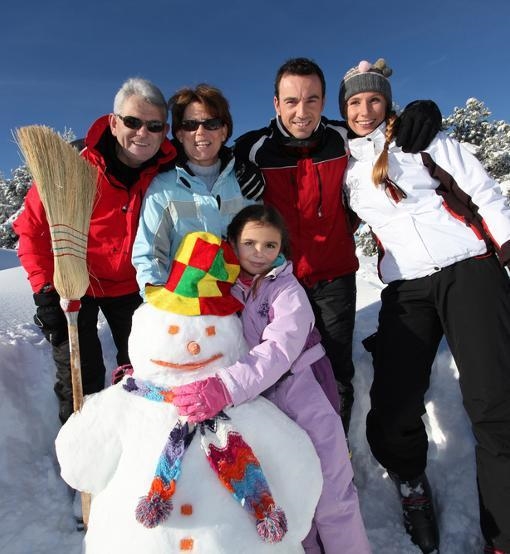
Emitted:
<point x="278" y="325"/>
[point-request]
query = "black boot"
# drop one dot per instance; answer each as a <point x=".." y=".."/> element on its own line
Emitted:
<point x="419" y="517"/>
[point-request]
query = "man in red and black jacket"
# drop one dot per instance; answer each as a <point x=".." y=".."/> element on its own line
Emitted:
<point x="303" y="157"/>
<point x="129" y="147"/>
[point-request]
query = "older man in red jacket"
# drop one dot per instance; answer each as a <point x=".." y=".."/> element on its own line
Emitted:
<point x="129" y="147"/>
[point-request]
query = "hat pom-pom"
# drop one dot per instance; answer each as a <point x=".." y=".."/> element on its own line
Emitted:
<point x="152" y="510"/>
<point x="383" y="67"/>
<point x="273" y="526"/>
<point x="364" y="66"/>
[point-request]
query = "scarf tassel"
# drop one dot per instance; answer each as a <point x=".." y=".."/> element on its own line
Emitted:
<point x="273" y="526"/>
<point x="152" y="510"/>
<point x="157" y="505"/>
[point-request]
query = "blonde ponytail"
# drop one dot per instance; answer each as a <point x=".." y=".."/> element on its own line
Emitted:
<point x="380" y="170"/>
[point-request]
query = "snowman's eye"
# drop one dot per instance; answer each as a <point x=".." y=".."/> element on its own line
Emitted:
<point x="210" y="331"/>
<point x="173" y="329"/>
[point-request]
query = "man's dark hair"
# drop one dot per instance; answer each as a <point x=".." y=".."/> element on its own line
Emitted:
<point x="299" y="66"/>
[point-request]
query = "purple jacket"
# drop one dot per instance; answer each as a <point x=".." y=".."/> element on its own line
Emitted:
<point x="277" y="322"/>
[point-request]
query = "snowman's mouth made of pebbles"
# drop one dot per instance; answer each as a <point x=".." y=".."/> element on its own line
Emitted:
<point x="189" y="366"/>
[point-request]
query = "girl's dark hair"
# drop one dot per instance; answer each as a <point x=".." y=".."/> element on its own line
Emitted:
<point x="259" y="213"/>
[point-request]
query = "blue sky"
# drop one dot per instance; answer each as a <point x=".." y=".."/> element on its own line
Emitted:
<point x="62" y="61"/>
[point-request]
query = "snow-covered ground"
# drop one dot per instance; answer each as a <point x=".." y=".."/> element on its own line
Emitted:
<point x="35" y="504"/>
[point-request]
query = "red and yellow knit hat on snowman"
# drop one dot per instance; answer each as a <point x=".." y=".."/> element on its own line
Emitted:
<point x="203" y="271"/>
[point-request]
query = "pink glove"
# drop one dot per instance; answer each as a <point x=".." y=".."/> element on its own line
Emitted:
<point x="201" y="400"/>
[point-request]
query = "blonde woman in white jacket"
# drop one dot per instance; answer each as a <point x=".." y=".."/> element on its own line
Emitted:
<point x="443" y="233"/>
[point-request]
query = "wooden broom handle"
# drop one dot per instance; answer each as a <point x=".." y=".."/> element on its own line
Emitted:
<point x="71" y="309"/>
<point x="74" y="350"/>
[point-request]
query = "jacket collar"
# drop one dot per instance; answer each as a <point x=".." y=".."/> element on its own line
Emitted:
<point x="362" y="148"/>
<point x="186" y="177"/>
<point x="299" y="147"/>
<point x="283" y="269"/>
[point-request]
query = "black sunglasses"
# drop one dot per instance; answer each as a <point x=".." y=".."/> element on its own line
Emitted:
<point x="212" y="124"/>
<point x="131" y="122"/>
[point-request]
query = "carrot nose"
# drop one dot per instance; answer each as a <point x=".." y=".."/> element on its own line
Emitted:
<point x="193" y="348"/>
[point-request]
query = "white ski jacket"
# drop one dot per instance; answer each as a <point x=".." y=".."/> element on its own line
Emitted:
<point x="452" y="210"/>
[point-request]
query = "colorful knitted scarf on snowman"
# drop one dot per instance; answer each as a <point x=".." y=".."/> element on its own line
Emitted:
<point x="231" y="458"/>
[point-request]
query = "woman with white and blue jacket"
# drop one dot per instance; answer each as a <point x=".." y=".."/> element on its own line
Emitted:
<point x="202" y="193"/>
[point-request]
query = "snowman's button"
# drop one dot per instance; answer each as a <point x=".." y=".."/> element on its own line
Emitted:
<point x="186" y="509"/>
<point x="187" y="544"/>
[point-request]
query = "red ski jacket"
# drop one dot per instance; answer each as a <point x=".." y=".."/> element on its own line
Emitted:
<point x="112" y="228"/>
<point x="304" y="182"/>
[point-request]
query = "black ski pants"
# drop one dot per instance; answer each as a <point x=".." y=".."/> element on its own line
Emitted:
<point x="118" y="312"/>
<point x="334" y="306"/>
<point x="468" y="302"/>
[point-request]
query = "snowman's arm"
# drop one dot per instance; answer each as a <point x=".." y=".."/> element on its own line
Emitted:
<point x="283" y="342"/>
<point x="88" y="446"/>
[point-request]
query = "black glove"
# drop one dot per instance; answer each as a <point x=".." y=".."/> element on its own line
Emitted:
<point x="50" y="317"/>
<point x="418" y="125"/>
<point x="250" y="179"/>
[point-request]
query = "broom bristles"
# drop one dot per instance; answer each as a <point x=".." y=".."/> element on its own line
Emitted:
<point x="66" y="183"/>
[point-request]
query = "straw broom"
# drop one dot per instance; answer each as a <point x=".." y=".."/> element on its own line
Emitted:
<point x="67" y="187"/>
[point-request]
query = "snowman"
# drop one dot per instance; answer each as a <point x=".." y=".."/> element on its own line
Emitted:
<point x="247" y="480"/>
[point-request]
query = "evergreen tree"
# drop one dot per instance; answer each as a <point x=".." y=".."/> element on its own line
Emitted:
<point x="365" y="241"/>
<point x="491" y="138"/>
<point x="494" y="152"/>
<point x="469" y="124"/>
<point x="12" y="194"/>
